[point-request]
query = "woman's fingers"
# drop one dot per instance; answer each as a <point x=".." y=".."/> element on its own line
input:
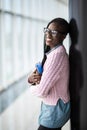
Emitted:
<point x="34" y="77"/>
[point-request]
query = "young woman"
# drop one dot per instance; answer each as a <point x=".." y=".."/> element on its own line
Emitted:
<point x="53" y="84"/>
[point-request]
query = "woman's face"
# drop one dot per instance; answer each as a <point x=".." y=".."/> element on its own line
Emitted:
<point x="53" y="36"/>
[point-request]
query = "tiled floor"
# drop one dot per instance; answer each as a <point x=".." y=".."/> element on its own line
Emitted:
<point x="23" y="113"/>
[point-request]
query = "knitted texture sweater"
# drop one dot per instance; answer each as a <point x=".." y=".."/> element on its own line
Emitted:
<point x="54" y="84"/>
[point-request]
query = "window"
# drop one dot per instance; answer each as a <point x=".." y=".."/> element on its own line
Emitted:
<point x="21" y="39"/>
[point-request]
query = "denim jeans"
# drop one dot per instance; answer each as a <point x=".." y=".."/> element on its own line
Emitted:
<point x="54" y="116"/>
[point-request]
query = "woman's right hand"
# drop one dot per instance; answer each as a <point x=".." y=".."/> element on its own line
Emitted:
<point x="34" y="78"/>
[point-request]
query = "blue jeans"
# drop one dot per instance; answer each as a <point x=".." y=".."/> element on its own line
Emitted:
<point x="54" y="116"/>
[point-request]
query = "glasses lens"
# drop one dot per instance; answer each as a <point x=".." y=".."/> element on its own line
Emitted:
<point x="52" y="32"/>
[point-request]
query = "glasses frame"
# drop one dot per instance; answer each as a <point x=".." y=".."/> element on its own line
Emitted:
<point x="52" y="32"/>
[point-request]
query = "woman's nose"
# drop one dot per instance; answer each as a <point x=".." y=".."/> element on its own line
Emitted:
<point x="48" y="34"/>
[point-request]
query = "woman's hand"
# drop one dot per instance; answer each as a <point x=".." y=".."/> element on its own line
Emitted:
<point x="34" y="78"/>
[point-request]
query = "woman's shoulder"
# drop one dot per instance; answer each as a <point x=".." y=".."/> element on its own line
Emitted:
<point x="60" y="50"/>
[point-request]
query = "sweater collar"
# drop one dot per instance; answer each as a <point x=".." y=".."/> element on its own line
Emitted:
<point x="53" y="48"/>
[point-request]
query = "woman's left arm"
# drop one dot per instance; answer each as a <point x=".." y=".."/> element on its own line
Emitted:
<point x="50" y="75"/>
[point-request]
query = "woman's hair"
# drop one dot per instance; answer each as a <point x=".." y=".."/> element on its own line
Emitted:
<point x="64" y="26"/>
<point x="62" y="23"/>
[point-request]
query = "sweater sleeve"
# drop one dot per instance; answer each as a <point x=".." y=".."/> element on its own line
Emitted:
<point x="50" y="76"/>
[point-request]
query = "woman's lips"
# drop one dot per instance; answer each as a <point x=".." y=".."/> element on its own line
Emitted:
<point x="48" y="39"/>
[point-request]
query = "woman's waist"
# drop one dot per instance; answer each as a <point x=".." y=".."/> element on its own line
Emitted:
<point x="52" y="100"/>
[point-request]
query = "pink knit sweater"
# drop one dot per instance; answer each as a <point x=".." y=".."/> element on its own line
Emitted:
<point x="55" y="78"/>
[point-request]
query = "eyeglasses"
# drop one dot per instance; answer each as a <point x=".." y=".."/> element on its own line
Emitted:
<point x="52" y="32"/>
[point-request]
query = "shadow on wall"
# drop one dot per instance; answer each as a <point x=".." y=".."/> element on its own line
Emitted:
<point x="76" y="76"/>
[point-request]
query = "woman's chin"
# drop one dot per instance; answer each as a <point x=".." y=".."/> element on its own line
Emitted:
<point x="48" y="44"/>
